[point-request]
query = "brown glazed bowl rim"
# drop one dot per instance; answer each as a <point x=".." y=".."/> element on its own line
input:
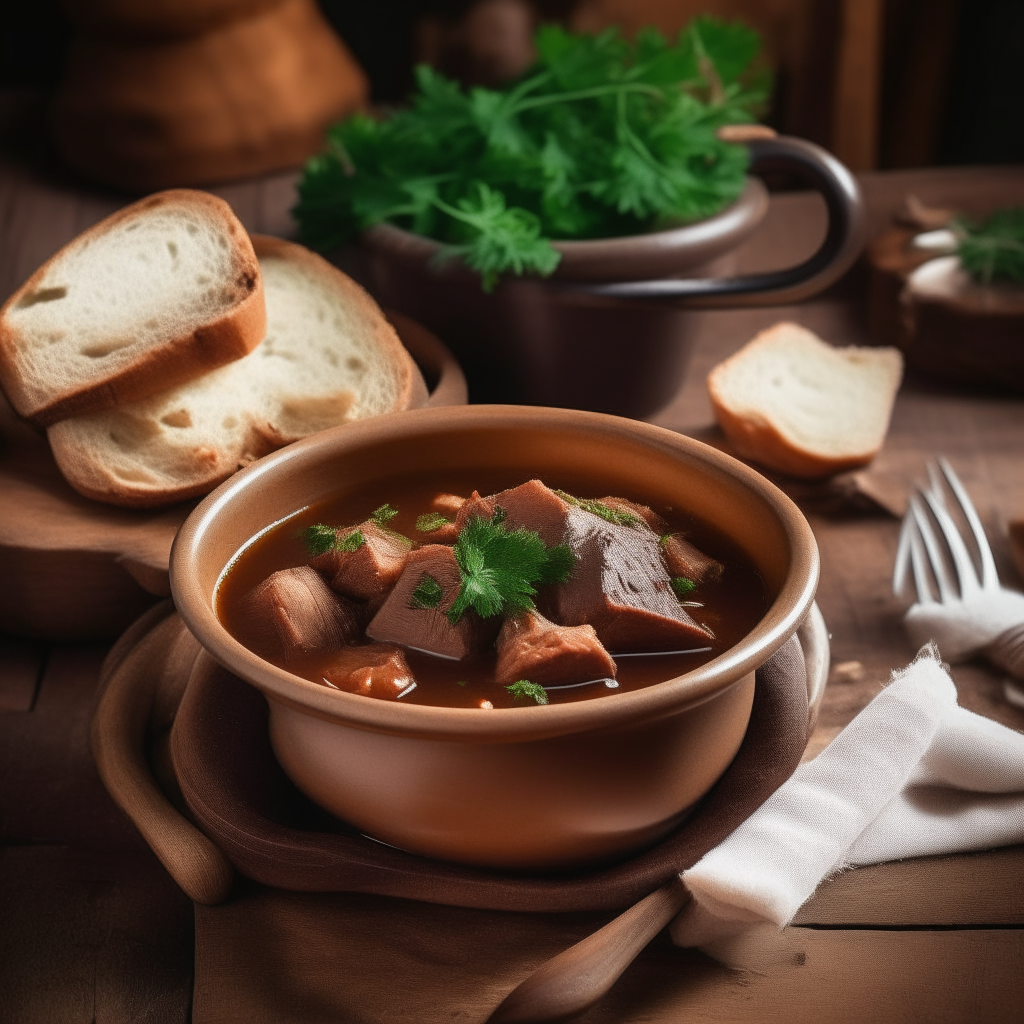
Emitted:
<point x="781" y="620"/>
<point x="721" y="231"/>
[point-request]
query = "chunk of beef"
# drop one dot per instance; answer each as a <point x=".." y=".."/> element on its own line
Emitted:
<point x="648" y="515"/>
<point x="619" y="584"/>
<point x="294" y="612"/>
<point x="532" y="647"/>
<point x="475" y="507"/>
<point x="403" y="619"/>
<point x="683" y="559"/>
<point x="373" y="670"/>
<point x="536" y="507"/>
<point x="369" y="572"/>
<point x="447" y="504"/>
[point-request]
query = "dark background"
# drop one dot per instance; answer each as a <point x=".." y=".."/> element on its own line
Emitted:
<point x="966" y="106"/>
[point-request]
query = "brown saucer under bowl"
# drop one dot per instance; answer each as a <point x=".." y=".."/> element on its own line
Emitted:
<point x="538" y="787"/>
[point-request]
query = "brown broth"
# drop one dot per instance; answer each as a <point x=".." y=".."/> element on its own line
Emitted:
<point x="733" y="605"/>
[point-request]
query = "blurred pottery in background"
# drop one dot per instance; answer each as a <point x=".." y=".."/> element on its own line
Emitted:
<point x="606" y="331"/>
<point x="167" y="93"/>
<point x="949" y="327"/>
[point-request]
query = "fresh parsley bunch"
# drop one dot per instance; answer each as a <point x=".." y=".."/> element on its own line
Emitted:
<point x="994" y="250"/>
<point x="603" y="137"/>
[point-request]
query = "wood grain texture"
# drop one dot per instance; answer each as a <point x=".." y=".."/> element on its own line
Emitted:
<point x="573" y="981"/>
<point x="393" y="960"/>
<point x="92" y="937"/>
<point x="50" y="791"/>
<point x="969" y="890"/>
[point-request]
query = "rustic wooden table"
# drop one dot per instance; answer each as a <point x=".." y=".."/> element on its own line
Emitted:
<point x="93" y="930"/>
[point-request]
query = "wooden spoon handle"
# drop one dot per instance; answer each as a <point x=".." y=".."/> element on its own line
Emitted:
<point x="574" y="980"/>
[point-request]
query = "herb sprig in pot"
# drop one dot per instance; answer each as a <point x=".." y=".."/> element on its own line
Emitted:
<point x="602" y="138"/>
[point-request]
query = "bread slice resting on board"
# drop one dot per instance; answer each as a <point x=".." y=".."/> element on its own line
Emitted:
<point x="329" y="356"/>
<point x="794" y="403"/>
<point x="158" y="293"/>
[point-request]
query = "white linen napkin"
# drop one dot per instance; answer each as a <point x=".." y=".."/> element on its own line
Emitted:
<point x="963" y="629"/>
<point x="913" y="774"/>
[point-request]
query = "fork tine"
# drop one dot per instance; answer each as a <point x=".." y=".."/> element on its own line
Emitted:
<point x="969" y="582"/>
<point x="917" y="561"/>
<point x="989" y="576"/>
<point x="899" y="569"/>
<point x="931" y="544"/>
<point x="902" y="563"/>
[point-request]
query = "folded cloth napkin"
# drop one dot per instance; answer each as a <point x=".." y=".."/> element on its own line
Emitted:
<point x="913" y="774"/>
<point x="963" y="629"/>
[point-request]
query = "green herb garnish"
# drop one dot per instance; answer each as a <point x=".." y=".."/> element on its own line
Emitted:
<point x="319" y="538"/>
<point x="460" y="682"/>
<point x="351" y="542"/>
<point x="383" y="515"/>
<point x="524" y="688"/>
<point x="682" y="585"/>
<point x="603" y="137"/>
<point x="431" y="521"/>
<point x="501" y="568"/>
<point x="428" y="593"/>
<point x="994" y="250"/>
<point x="598" y="508"/>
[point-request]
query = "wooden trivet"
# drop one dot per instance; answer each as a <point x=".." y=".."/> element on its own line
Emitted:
<point x="158" y="683"/>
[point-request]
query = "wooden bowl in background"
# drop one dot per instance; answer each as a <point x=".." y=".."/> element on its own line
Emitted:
<point x="160" y="94"/>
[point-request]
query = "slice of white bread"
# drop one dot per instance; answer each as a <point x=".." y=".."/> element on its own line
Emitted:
<point x="329" y="356"/>
<point x="792" y="402"/>
<point x="162" y="291"/>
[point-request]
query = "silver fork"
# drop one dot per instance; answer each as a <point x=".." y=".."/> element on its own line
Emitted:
<point x="967" y="613"/>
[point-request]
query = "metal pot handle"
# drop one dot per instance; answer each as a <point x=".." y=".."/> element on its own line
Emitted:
<point x="843" y="240"/>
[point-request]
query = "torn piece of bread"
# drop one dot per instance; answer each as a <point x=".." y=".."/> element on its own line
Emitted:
<point x="329" y="356"/>
<point x="160" y="292"/>
<point x="793" y="403"/>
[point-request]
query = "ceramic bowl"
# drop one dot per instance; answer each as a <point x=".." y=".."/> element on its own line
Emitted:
<point x="523" y="788"/>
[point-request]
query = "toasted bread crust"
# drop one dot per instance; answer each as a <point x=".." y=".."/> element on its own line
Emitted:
<point x="759" y="441"/>
<point x="229" y="336"/>
<point x="84" y="467"/>
<point x="755" y="437"/>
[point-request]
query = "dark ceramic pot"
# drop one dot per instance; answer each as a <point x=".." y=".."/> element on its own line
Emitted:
<point x="608" y="331"/>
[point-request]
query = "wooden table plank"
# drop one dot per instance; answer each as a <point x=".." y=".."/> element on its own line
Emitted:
<point x="50" y="791"/>
<point x="261" y="959"/>
<point x="958" y="891"/>
<point x="91" y="937"/>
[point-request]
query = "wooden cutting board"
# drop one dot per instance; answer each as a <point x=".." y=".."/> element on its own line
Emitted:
<point x="76" y="569"/>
